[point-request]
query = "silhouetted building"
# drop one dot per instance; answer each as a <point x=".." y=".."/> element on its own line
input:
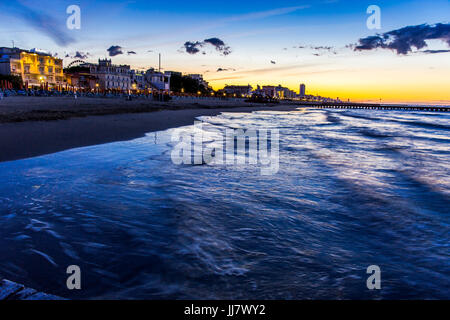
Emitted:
<point x="302" y="90"/>
<point x="238" y="90"/>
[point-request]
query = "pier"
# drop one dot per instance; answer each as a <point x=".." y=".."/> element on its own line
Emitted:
<point x="367" y="106"/>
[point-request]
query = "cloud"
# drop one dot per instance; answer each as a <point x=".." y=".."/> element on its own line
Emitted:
<point x="81" y="55"/>
<point x="405" y="39"/>
<point x="131" y="52"/>
<point x="223" y="69"/>
<point x="322" y="48"/>
<point x="266" y="14"/>
<point x="219" y="45"/>
<point x="276" y="69"/>
<point x="435" y="51"/>
<point x="317" y="48"/>
<point x="193" y="47"/>
<point x="42" y="22"/>
<point x="114" y="51"/>
<point x="78" y="55"/>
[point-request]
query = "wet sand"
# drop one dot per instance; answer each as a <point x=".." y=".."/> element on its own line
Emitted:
<point x="33" y="126"/>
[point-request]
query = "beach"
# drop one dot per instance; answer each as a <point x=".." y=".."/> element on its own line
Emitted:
<point x="34" y="126"/>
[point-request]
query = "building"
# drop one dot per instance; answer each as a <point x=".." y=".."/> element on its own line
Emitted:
<point x="80" y="78"/>
<point x="199" y="79"/>
<point x="278" y="92"/>
<point x="269" y="91"/>
<point x="302" y="90"/>
<point x="284" y="93"/>
<point x="138" y="81"/>
<point x="158" y="80"/>
<point x="37" y="69"/>
<point x="110" y="76"/>
<point x="238" y="90"/>
<point x="174" y="73"/>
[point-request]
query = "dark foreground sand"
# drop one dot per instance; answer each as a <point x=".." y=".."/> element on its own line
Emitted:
<point x="29" y="126"/>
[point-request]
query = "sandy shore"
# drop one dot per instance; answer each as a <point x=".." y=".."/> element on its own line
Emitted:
<point x="33" y="126"/>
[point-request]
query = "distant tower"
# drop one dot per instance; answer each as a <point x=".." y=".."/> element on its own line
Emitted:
<point x="302" y="90"/>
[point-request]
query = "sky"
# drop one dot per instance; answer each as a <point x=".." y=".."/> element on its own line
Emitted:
<point x="324" y="44"/>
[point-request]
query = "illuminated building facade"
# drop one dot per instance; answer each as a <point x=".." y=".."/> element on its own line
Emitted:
<point x="37" y="69"/>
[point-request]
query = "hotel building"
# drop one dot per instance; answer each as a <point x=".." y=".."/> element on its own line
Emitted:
<point x="37" y="69"/>
<point x="110" y="76"/>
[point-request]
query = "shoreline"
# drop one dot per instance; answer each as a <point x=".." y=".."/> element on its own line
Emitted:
<point x="32" y="138"/>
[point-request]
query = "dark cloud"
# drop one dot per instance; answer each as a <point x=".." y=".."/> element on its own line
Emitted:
<point x="42" y="22"/>
<point x="81" y="55"/>
<point x="78" y="55"/>
<point x="322" y="48"/>
<point x="223" y="69"/>
<point x="219" y="45"/>
<point x="192" y="47"/>
<point x="195" y="47"/>
<point x="405" y="39"/>
<point x="435" y="51"/>
<point x="131" y="52"/>
<point x="114" y="51"/>
<point x="317" y="48"/>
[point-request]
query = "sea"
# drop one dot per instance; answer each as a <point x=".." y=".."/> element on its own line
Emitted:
<point x="353" y="189"/>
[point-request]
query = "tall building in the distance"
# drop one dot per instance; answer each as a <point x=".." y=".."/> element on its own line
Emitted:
<point x="302" y="90"/>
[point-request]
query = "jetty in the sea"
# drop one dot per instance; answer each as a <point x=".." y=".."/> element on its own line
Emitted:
<point x="13" y="291"/>
<point x="370" y="106"/>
